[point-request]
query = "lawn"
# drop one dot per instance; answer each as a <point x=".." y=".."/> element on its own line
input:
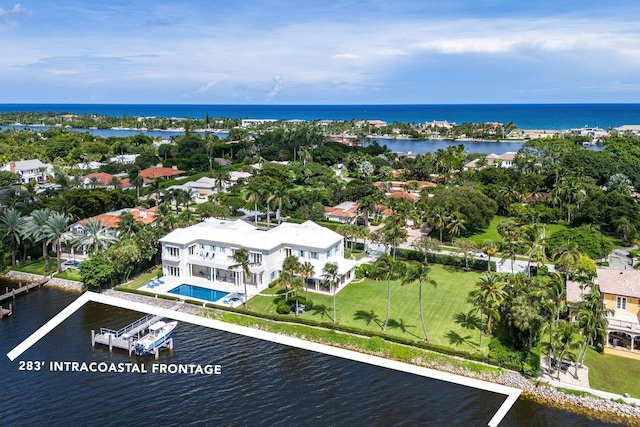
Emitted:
<point x="491" y="233"/>
<point x="613" y="373"/>
<point x="363" y="305"/>
<point x="37" y="267"/>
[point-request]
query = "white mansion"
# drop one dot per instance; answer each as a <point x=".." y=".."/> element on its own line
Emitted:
<point x="205" y="251"/>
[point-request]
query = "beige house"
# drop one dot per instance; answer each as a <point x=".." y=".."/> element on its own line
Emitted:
<point x="620" y="290"/>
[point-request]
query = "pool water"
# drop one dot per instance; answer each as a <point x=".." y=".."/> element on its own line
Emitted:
<point x="198" y="292"/>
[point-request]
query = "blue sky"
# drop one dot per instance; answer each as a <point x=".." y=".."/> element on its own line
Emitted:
<point x="319" y="52"/>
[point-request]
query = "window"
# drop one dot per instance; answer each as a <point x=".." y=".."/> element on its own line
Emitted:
<point x="314" y="255"/>
<point x="301" y="254"/>
<point x="173" y="271"/>
<point x="192" y="249"/>
<point x="287" y="252"/>
<point x="621" y="303"/>
<point x="255" y="257"/>
<point x="174" y="252"/>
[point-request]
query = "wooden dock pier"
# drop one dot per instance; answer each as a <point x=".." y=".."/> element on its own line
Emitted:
<point x="125" y="337"/>
<point x="10" y="294"/>
<point x="4" y="312"/>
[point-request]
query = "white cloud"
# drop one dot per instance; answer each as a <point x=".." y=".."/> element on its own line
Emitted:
<point x="346" y="56"/>
<point x="205" y="88"/>
<point x="278" y="83"/>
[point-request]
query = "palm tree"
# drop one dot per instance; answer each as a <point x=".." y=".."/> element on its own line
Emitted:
<point x="136" y="180"/>
<point x="387" y="268"/>
<point x="592" y="321"/>
<point x="57" y="232"/>
<point x="330" y="275"/>
<point x="242" y="261"/>
<point x="564" y="255"/>
<point x="426" y="245"/>
<point x="10" y="225"/>
<point x="490" y="248"/>
<point x="533" y="239"/>
<point x="280" y="196"/>
<point x="96" y="238"/>
<point x="127" y="223"/>
<point x="487" y="297"/>
<point x="456" y="224"/>
<point x="253" y="195"/>
<point x="439" y="219"/>
<point x="366" y="205"/>
<point x="36" y="230"/>
<point x="222" y="178"/>
<point x="154" y="187"/>
<point x="418" y="272"/>
<point x="306" y="271"/>
<point x="565" y="341"/>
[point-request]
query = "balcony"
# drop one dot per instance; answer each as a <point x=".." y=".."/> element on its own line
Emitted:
<point x="624" y="321"/>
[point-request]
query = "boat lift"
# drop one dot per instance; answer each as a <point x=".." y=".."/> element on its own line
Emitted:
<point x="125" y="337"/>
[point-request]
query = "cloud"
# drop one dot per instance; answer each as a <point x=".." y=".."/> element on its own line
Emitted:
<point x="205" y="88"/>
<point x="346" y="56"/>
<point x="278" y="83"/>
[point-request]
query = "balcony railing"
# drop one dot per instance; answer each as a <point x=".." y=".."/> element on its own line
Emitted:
<point x="623" y="325"/>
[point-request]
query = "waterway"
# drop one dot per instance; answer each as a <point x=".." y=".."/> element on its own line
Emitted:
<point x="261" y="383"/>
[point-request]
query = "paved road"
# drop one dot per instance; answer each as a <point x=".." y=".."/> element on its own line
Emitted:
<point x="620" y="259"/>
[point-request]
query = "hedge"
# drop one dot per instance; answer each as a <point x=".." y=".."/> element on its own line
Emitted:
<point x="445" y="259"/>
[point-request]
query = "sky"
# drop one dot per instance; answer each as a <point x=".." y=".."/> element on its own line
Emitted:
<point x="320" y="52"/>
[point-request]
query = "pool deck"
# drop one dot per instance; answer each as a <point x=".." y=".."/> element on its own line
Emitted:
<point x="170" y="283"/>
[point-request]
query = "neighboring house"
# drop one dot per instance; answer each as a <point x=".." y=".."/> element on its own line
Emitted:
<point x="504" y="160"/>
<point x="125" y="159"/>
<point x="111" y="219"/>
<point x="205" y="186"/>
<point x="89" y="165"/>
<point x="29" y="170"/>
<point x="344" y="213"/>
<point x="205" y="251"/>
<point x="104" y="180"/>
<point x="222" y="162"/>
<point x="620" y="290"/>
<point x="154" y="172"/>
<point x="413" y="187"/>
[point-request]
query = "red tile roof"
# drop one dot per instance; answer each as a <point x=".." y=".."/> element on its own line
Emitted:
<point x="142" y="215"/>
<point x="159" y="172"/>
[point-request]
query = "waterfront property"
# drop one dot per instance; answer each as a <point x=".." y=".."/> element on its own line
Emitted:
<point x="620" y="290"/>
<point x="203" y="253"/>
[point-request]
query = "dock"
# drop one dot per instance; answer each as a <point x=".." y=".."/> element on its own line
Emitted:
<point x="10" y="294"/>
<point x="125" y="337"/>
<point x="4" y="312"/>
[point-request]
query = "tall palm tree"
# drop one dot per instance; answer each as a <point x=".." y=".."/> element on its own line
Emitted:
<point x="490" y="248"/>
<point x="222" y="178"/>
<point x="387" y="268"/>
<point x="457" y="224"/>
<point x="57" y="231"/>
<point x="10" y="226"/>
<point x="330" y="275"/>
<point x="366" y="205"/>
<point x="97" y="236"/>
<point x="487" y="296"/>
<point x="418" y="272"/>
<point x="306" y="271"/>
<point x="565" y="255"/>
<point x="565" y="340"/>
<point x="253" y="195"/>
<point x="36" y="230"/>
<point x="242" y="261"/>
<point x="136" y="180"/>
<point x="279" y="196"/>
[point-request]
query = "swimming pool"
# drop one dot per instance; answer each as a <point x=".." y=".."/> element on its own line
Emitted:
<point x="198" y="292"/>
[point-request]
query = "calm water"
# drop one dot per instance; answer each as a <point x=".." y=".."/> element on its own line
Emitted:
<point x="261" y="383"/>
<point x="525" y="116"/>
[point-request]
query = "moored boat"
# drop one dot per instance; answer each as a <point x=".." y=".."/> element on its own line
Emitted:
<point x="158" y="333"/>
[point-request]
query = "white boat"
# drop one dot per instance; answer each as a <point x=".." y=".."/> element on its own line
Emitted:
<point x="158" y="333"/>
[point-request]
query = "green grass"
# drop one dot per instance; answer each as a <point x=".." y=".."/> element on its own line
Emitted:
<point x="491" y="232"/>
<point x="363" y="305"/>
<point x="141" y="279"/>
<point x="37" y="267"/>
<point x="352" y="342"/>
<point x="613" y="373"/>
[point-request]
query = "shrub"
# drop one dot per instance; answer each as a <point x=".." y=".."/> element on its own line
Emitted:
<point x="363" y="270"/>
<point x="375" y="344"/>
<point x="283" y="307"/>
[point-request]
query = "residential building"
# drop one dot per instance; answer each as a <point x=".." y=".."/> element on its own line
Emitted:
<point x="620" y="290"/>
<point x="28" y="170"/>
<point x="344" y="213"/>
<point x="104" y="180"/>
<point x="153" y="172"/>
<point x="205" y="251"/>
<point x="111" y="219"/>
<point x="504" y="160"/>
<point x="125" y="159"/>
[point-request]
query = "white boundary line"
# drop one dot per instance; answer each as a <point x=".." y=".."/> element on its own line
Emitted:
<point x="511" y="393"/>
